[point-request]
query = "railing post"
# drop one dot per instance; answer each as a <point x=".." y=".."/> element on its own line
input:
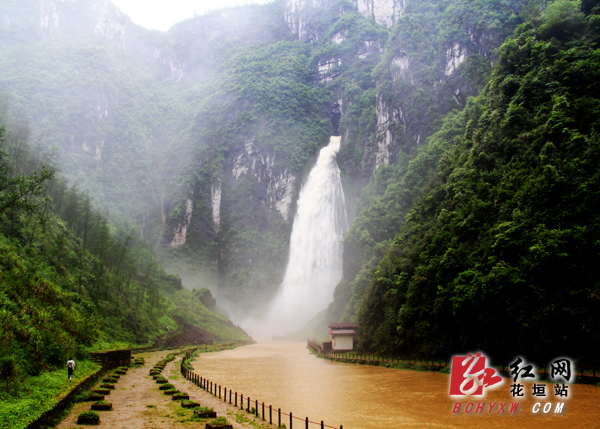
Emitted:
<point x="263" y="410"/>
<point x="270" y="414"/>
<point x="219" y="391"/>
<point x="235" y="399"/>
<point x="322" y="425"/>
<point x="256" y="407"/>
<point x="291" y="421"/>
<point x="248" y="408"/>
<point x="279" y="418"/>
<point x="242" y="401"/>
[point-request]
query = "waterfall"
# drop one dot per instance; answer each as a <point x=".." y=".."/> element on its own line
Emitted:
<point x="315" y="261"/>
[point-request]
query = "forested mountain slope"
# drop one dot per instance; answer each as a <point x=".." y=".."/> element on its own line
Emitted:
<point x="71" y="282"/>
<point x="199" y="139"/>
<point x="501" y="250"/>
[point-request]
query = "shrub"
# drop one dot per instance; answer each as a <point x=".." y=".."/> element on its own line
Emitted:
<point x="8" y="367"/>
<point x="179" y="395"/>
<point x="94" y="397"/>
<point x="102" y="406"/>
<point x="186" y="403"/>
<point x="446" y="370"/>
<point x="401" y="365"/>
<point x="89" y="417"/>
<point x="218" y="422"/>
<point x="166" y="386"/>
<point x="422" y="367"/>
<point x="203" y="409"/>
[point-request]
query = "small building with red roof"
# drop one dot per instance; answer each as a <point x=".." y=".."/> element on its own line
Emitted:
<point x="343" y="336"/>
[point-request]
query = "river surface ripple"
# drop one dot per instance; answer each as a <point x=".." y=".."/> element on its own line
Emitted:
<point x="286" y="375"/>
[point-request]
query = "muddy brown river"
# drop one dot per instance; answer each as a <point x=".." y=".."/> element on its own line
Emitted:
<point x="286" y="375"/>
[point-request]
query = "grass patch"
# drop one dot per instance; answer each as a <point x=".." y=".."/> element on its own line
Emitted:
<point x="27" y="399"/>
<point x="242" y="418"/>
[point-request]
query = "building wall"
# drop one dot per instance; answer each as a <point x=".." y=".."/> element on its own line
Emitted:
<point x="342" y="342"/>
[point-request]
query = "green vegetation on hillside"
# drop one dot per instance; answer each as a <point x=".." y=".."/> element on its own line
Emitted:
<point x="265" y="104"/>
<point x="501" y="253"/>
<point x="417" y="93"/>
<point x="69" y="280"/>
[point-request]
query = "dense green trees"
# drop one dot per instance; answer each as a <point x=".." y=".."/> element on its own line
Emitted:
<point x="501" y="253"/>
<point x="70" y="280"/>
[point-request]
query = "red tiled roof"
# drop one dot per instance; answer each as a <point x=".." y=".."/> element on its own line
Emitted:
<point x="342" y="332"/>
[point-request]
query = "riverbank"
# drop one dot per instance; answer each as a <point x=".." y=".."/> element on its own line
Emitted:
<point x="591" y="377"/>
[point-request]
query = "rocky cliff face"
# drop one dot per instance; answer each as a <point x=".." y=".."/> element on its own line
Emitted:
<point x="85" y="16"/>
<point x="384" y="12"/>
<point x="231" y="209"/>
<point x="299" y="14"/>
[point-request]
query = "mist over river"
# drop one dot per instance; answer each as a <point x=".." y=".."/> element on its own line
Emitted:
<point x="287" y="376"/>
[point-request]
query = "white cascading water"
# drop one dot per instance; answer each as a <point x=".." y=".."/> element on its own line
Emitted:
<point x="315" y="260"/>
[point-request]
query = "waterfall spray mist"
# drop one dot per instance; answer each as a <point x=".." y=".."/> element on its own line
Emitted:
<point x="315" y="260"/>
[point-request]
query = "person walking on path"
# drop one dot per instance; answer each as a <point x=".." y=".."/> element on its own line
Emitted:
<point x="70" y="368"/>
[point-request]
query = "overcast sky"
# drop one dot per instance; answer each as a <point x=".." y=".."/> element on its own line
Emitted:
<point x="162" y="14"/>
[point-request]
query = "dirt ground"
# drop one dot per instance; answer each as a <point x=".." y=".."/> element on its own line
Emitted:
<point x="138" y="404"/>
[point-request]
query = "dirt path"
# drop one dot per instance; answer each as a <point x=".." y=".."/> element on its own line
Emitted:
<point x="138" y="404"/>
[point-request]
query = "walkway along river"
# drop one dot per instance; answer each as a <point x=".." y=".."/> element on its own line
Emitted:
<point x="288" y="376"/>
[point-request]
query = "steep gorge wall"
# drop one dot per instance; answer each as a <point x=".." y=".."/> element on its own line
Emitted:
<point x="223" y="202"/>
